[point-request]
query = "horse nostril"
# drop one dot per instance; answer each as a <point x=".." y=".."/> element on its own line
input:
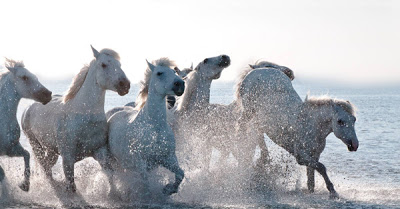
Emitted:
<point x="121" y="83"/>
<point x="177" y="83"/>
<point x="224" y="57"/>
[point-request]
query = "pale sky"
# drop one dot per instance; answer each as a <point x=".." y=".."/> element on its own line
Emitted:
<point x="347" y="41"/>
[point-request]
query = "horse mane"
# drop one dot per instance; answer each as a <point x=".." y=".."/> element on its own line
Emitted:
<point x="260" y="64"/>
<point x="111" y="53"/>
<point x="77" y="83"/>
<point x="326" y="100"/>
<point x="144" y="84"/>
<point x="240" y="79"/>
<point x="190" y="85"/>
<point x="79" y="79"/>
<point x="10" y="63"/>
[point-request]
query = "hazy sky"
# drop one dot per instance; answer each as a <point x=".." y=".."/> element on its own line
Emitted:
<point x="330" y="40"/>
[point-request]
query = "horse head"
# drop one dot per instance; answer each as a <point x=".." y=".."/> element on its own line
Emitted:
<point x="27" y="84"/>
<point x="165" y="81"/>
<point x="343" y="122"/>
<point x="211" y="68"/>
<point x="109" y="74"/>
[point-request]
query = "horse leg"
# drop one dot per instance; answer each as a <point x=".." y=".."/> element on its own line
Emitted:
<point x="19" y="151"/>
<point x="304" y="159"/>
<point x="264" y="154"/>
<point x="171" y="163"/>
<point x="2" y="174"/>
<point x="310" y="179"/>
<point x="46" y="160"/>
<point x="68" y="166"/>
<point x="104" y="157"/>
<point x="206" y="152"/>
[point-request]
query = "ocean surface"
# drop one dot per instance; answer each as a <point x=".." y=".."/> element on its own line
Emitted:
<point x="368" y="178"/>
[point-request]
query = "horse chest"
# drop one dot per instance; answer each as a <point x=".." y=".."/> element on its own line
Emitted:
<point x="9" y="134"/>
<point x="156" y="141"/>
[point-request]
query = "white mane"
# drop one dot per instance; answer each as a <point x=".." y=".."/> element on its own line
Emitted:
<point x="144" y="84"/>
<point x="240" y="79"/>
<point x="12" y="63"/>
<point x="79" y="79"/>
<point x="326" y="100"/>
<point x="9" y="64"/>
<point x="191" y="84"/>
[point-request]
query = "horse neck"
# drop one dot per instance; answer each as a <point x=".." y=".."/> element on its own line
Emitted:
<point x="319" y="118"/>
<point x="9" y="98"/>
<point x="155" y="108"/>
<point x="90" y="97"/>
<point x="198" y="94"/>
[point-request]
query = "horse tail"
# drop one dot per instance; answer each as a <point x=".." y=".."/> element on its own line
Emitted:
<point x="239" y="82"/>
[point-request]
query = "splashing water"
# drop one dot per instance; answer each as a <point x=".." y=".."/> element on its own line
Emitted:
<point x="368" y="178"/>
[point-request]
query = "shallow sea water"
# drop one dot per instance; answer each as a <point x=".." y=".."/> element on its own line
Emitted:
<point x="368" y="178"/>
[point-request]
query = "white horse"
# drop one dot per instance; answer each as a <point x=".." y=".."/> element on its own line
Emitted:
<point x="75" y="125"/>
<point x="141" y="139"/>
<point x="190" y="114"/>
<point x="271" y="105"/>
<point x="17" y="83"/>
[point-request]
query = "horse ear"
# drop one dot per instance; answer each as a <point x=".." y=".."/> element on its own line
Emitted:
<point x="177" y="70"/>
<point x="151" y="66"/>
<point x="191" y="67"/>
<point x="251" y="66"/>
<point x="96" y="54"/>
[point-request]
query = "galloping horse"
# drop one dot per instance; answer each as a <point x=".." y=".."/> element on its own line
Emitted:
<point x="140" y="138"/>
<point x="270" y="105"/>
<point x="15" y="84"/>
<point x="75" y="126"/>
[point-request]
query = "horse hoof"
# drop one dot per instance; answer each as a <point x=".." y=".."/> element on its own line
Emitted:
<point x="170" y="189"/>
<point x="24" y="186"/>
<point x="333" y="196"/>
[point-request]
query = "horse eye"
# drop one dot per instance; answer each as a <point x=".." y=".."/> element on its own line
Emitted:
<point x="25" y="78"/>
<point x="103" y="65"/>
<point x="340" y="122"/>
<point x="205" y="61"/>
<point x="159" y="73"/>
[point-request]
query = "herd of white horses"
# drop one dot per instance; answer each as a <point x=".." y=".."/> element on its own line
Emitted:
<point x="152" y="132"/>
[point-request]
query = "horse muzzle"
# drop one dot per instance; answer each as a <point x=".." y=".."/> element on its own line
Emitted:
<point x="123" y="87"/>
<point x="353" y="146"/>
<point x="225" y="61"/>
<point x="43" y="96"/>
<point x="179" y="87"/>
